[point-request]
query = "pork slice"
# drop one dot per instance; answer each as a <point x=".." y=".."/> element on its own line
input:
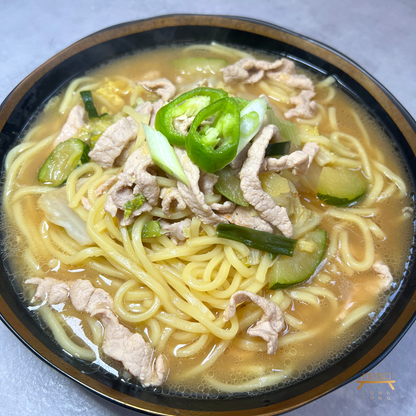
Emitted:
<point x="225" y="208"/>
<point x="270" y="324"/>
<point x="170" y="197"/>
<point x="112" y="142"/>
<point x="51" y="290"/>
<point x="207" y="182"/>
<point x="251" y="186"/>
<point x="124" y="155"/>
<point x="162" y="87"/>
<point x="120" y="344"/>
<point x="145" y="108"/>
<point x="133" y="351"/>
<point x="191" y="194"/>
<point x="81" y="294"/>
<point x="286" y="74"/>
<point x="299" y="161"/>
<point x="248" y="71"/>
<point x="104" y="187"/>
<point x="120" y="194"/>
<point x="145" y="182"/>
<point x="134" y="180"/>
<point x="241" y="216"/>
<point x="86" y="203"/>
<point x="304" y="107"/>
<point x="76" y="119"/>
<point x="151" y="109"/>
<point x="383" y="271"/>
<point x="175" y="230"/>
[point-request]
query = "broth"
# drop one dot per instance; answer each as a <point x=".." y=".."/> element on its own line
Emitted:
<point x="319" y="312"/>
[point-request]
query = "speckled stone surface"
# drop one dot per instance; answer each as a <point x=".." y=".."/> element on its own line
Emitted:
<point x="380" y="35"/>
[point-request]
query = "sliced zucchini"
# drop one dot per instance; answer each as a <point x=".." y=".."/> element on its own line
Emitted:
<point x="229" y="185"/>
<point x="341" y="187"/>
<point x="62" y="161"/>
<point x="204" y="65"/>
<point x="288" y="271"/>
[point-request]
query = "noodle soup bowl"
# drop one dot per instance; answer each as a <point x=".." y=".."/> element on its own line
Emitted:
<point x="24" y="104"/>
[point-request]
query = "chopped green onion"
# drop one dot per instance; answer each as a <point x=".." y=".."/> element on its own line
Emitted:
<point x="89" y="104"/>
<point x="277" y="149"/>
<point x="163" y="154"/>
<point x="251" y="119"/>
<point x="260" y="240"/>
<point x="132" y="205"/>
<point x="287" y="130"/>
<point x="152" y="229"/>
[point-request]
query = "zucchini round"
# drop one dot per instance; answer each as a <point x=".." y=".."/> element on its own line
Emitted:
<point x="341" y="187"/>
<point x="289" y="271"/>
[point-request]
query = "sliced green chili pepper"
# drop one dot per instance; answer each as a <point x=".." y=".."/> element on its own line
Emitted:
<point x="163" y="155"/>
<point x="260" y="240"/>
<point x="215" y="146"/>
<point x="132" y="205"/>
<point x="188" y="104"/>
<point x="152" y="229"/>
<point x="277" y="149"/>
<point x="62" y="161"/>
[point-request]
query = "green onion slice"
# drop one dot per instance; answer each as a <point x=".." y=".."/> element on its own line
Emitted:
<point x="89" y="104"/>
<point x="163" y="154"/>
<point x="260" y="240"/>
<point x="251" y="119"/>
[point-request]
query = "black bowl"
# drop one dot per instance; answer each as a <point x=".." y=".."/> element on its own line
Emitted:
<point x="23" y="105"/>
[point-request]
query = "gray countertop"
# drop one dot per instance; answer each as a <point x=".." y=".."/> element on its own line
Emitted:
<point x="379" y="35"/>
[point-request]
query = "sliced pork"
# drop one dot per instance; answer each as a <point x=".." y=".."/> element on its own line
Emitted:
<point x="171" y="198"/>
<point x="298" y="161"/>
<point x="77" y="118"/>
<point x="112" y="142"/>
<point x="250" y="71"/>
<point x="304" y="107"/>
<point x="104" y="187"/>
<point x="134" y="180"/>
<point x="120" y="344"/>
<point x="175" y="230"/>
<point x="251" y="186"/>
<point x="148" y="108"/>
<point x="191" y="194"/>
<point x="383" y="271"/>
<point x="162" y="87"/>
<point x="241" y="216"/>
<point x="270" y="324"/>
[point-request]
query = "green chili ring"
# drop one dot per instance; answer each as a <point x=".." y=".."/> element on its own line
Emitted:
<point x="165" y="116"/>
<point x="213" y="153"/>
